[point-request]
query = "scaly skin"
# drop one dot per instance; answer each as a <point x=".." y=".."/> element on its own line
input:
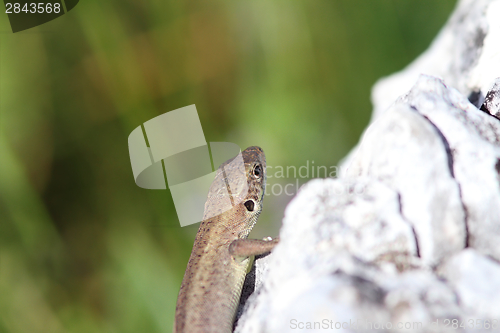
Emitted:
<point x="211" y="288"/>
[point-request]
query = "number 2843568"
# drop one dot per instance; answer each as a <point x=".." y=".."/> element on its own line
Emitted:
<point x="32" y="8"/>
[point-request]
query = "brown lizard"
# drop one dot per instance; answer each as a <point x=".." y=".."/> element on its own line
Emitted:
<point x="212" y="284"/>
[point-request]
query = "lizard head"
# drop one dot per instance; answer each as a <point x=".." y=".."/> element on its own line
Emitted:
<point x="250" y="204"/>
<point x="255" y="170"/>
<point x="238" y="189"/>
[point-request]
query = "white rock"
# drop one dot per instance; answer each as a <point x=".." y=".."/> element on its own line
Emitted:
<point x="410" y="231"/>
<point x="327" y="271"/>
<point x="476" y="279"/>
<point x="492" y="100"/>
<point x="457" y="55"/>
<point x="473" y="138"/>
<point x="397" y="149"/>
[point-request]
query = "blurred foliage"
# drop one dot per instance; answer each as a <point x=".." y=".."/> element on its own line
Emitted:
<point x="82" y="248"/>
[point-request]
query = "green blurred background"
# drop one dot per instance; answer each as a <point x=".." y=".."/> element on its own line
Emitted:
<point x="82" y="248"/>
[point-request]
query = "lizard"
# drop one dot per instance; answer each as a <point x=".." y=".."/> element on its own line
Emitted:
<point x="222" y="253"/>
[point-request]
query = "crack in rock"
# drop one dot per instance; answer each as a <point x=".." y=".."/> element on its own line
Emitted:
<point x="449" y="153"/>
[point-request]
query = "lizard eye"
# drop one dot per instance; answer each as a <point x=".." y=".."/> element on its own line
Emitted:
<point x="250" y="205"/>
<point x="257" y="171"/>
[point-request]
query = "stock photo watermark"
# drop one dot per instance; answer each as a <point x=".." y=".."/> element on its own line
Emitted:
<point x="358" y="324"/>
<point x="490" y="325"/>
<point x="287" y="180"/>
<point x="170" y="151"/>
<point x="25" y="15"/>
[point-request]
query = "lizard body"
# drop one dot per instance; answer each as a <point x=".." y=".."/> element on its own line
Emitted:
<point x="212" y="284"/>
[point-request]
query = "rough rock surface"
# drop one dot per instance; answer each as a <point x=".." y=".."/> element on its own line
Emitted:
<point x="492" y="100"/>
<point x="408" y="237"/>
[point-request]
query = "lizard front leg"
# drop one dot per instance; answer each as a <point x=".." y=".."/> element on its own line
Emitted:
<point x="244" y="248"/>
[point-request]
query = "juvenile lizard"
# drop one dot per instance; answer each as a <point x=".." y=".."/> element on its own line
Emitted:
<point x="211" y="288"/>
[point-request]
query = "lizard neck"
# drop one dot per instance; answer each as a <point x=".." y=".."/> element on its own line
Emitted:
<point x="229" y="226"/>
